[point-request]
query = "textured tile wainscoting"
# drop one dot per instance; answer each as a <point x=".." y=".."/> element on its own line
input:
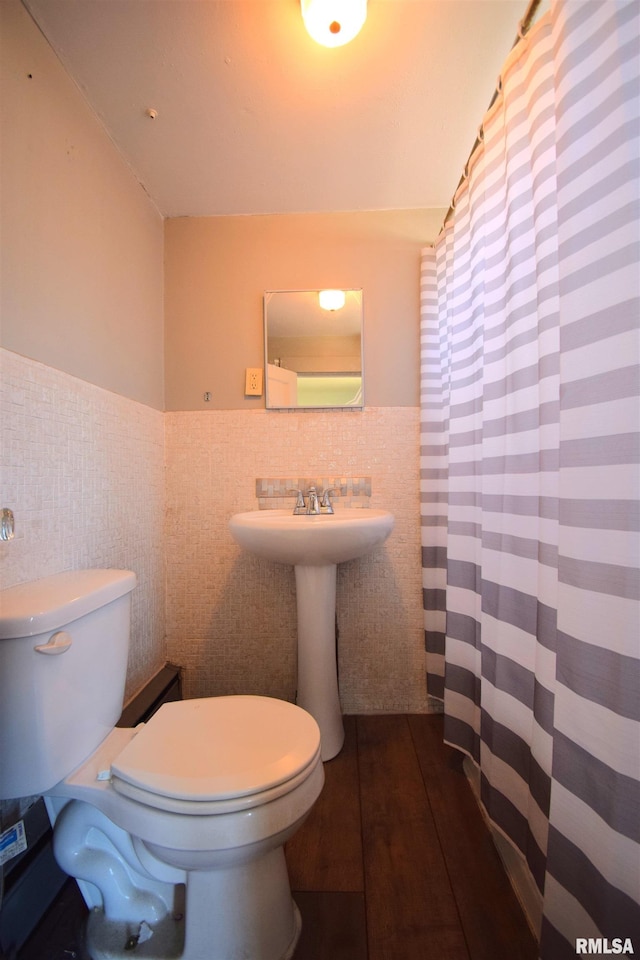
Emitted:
<point x="231" y="618"/>
<point x="83" y="472"/>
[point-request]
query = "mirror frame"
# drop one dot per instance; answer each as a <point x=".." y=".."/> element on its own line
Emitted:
<point x="345" y="406"/>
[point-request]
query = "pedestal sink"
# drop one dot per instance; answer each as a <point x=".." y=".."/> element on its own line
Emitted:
<point x="315" y="545"/>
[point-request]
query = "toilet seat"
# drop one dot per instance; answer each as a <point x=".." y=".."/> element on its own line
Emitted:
<point x="217" y="754"/>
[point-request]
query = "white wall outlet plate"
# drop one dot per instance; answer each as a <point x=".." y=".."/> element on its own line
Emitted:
<point x="253" y="382"/>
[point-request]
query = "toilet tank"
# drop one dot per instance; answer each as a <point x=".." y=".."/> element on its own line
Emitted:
<point x="64" y="644"/>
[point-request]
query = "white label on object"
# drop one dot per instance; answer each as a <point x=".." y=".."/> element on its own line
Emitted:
<point x="12" y="842"/>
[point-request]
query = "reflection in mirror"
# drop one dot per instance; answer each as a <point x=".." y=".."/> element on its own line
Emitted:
<point x="313" y="354"/>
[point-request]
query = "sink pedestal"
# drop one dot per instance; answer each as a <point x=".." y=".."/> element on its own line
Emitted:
<point x="317" y="654"/>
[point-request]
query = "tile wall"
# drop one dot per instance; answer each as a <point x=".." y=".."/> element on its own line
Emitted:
<point x="231" y="619"/>
<point x="83" y="471"/>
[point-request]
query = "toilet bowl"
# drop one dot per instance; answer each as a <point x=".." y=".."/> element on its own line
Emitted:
<point x="174" y="829"/>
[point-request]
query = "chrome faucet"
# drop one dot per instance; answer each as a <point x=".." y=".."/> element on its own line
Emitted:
<point x="313" y="504"/>
<point x="316" y="504"/>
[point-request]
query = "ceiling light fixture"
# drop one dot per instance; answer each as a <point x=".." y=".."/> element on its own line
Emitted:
<point x="332" y="299"/>
<point x="333" y="23"/>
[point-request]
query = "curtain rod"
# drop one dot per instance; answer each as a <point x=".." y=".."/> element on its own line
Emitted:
<point x="523" y="28"/>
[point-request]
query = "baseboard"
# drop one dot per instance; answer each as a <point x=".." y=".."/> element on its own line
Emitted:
<point x="164" y="687"/>
<point x="524" y="886"/>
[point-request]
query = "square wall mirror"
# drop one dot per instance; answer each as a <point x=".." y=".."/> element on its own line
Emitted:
<point x="313" y="349"/>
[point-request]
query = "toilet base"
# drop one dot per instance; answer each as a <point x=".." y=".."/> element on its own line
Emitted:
<point x="114" y="940"/>
<point x="107" y="940"/>
<point x="245" y="910"/>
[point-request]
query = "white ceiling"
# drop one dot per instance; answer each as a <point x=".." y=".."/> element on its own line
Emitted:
<point x="253" y="117"/>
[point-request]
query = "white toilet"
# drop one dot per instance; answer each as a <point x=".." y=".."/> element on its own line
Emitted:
<point x="174" y="829"/>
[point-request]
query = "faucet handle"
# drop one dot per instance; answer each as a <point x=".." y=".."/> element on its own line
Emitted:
<point x="300" y="506"/>
<point x="326" y="504"/>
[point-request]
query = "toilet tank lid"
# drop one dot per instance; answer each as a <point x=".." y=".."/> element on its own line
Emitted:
<point x="29" y="609"/>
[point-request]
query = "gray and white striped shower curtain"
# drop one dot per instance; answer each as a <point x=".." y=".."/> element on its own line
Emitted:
<point x="529" y="462"/>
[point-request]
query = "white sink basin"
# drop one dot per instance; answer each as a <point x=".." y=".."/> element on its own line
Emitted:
<point x="311" y="540"/>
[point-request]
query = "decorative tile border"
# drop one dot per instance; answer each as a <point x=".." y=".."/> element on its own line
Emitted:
<point x="277" y="492"/>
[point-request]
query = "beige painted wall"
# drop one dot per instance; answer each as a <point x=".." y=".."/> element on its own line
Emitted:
<point x="217" y="269"/>
<point x="81" y="249"/>
<point x="81" y="254"/>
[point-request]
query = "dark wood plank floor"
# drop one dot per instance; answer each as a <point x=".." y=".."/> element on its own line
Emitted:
<point x="394" y="863"/>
